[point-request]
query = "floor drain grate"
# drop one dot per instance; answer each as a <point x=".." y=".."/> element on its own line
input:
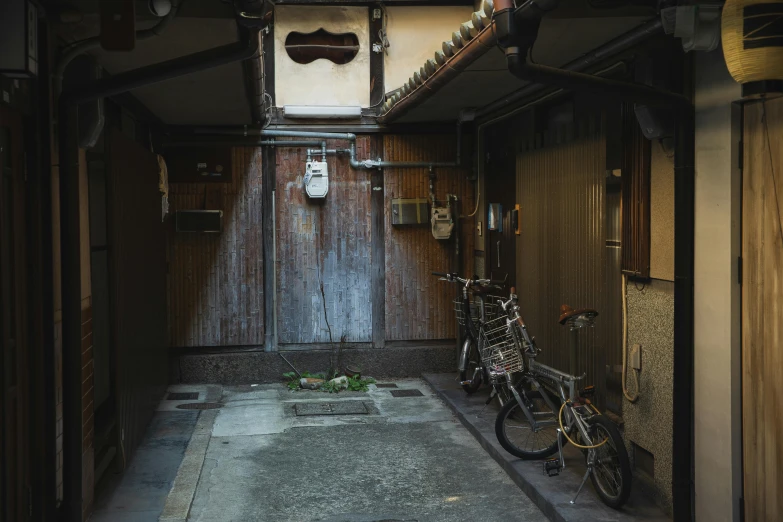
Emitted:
<point x="406" y="393"/>
<point x="330" y="408"/>
<point x="385" y="385"/>
<point x="182" y="396"/>
<point x="199" y="406"/>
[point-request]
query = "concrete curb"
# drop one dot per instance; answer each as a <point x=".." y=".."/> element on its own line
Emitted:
<point x="183" y="490"/>
<point x="551" y="495"/>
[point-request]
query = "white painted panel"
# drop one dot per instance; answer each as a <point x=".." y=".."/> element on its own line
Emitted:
<point x="322" y="82"/>
<point x="414" y="34"/>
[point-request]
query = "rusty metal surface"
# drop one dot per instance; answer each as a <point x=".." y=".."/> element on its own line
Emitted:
<point x="216" y="281"/>
<point x="323" y="252"/>
<point x="561" y="252"/>
<point x="418" y="306"/>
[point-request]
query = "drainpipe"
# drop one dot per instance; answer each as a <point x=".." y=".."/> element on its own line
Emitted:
<point x="78" y="48"/>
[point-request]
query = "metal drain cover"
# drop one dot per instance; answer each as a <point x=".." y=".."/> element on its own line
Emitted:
<point x="199" y="406"/>
<point x="406" y="393"/>
<point x="330" y="408"/>
<point x="182" y="396"/>
<point x="386" y="385"/>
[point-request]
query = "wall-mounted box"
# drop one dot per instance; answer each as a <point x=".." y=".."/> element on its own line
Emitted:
<point x="198" y="164"/>
<point x="209" y="221"/>
<point x="495" y="217"/>
<point x="18" y="39"/>
<point x="410" y="211"/>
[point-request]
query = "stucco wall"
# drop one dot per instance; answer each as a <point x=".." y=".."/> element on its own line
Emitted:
<point x="322" y="82"/>
<point x="414" y="34"/>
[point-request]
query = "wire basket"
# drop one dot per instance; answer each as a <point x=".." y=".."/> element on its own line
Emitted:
<point x="491" y="309"/>
<point x="499" y="353"/>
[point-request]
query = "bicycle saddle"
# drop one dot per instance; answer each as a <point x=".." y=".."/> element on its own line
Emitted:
<point x="566" y="313"/>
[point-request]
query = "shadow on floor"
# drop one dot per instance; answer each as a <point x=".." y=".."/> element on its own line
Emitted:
<point x="139" y="493"/>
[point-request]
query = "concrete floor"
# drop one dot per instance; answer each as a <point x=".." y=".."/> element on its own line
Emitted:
<point x="407" y="459"/>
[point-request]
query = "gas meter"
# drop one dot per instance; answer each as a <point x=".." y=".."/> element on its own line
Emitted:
<point x="442" y="224"/>
<point x="316" y="179"/>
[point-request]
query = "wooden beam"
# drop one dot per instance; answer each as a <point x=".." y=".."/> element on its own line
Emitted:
<point x="268" y="183"/>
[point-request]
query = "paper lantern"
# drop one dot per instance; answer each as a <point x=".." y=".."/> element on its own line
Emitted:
<point x="752" y="35"/>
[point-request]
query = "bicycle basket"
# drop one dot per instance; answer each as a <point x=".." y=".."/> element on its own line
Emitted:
<point x="491" y="309"/>
<point x="499" y="352"/>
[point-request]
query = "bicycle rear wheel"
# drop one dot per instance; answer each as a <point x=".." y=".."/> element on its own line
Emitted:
<point x="517" y="436"/>
<point x="611" y="475"/>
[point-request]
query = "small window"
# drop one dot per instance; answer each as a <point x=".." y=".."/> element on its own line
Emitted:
<point x="306" y="48"/>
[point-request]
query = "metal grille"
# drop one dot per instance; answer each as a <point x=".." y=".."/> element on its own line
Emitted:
<point x="199" y="406"/>
<point x="182" y="396"/>
<point x="406" y="393"/>
<point x="636" y="198"/>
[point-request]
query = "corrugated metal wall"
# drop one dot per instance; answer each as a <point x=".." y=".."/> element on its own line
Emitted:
<point x="216" y="281"/>
<point x="418" y="306"/>
<point x="323" y="252"/>
<point x="562" y="253"/>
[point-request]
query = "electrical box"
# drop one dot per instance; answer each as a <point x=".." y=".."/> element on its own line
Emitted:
<point x="442" y="224"/>
<point x="409" y="211"/>
<point x="316" y="179"/>
<point x="18" y="39"/>
<point x="199" y="164"/>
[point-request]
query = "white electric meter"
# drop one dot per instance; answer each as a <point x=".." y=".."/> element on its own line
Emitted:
<point x="316" y="179"/>
<point x="441" y="221"/>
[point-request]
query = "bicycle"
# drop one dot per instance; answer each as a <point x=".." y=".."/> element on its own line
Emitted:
<point x="547" y="407"/>
<point x="485" y="328"/>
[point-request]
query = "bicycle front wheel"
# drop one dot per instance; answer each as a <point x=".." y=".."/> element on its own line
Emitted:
<point x="611" y="475"/>
<point x="518" y="437"/>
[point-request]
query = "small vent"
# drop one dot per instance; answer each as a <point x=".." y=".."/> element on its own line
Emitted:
<point x="643" y="461"/>
<point x="406" y="393"/>
<point x="410" y="211"/>
<point x="199" y="221"/>
<point x="307" y="48"/>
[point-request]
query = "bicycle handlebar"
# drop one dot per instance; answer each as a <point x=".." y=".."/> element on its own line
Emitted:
<point x="454" y="278"/>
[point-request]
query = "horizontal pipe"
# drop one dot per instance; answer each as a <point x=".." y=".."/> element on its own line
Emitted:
<point x="124" y="82"/>
<point x="613" y="47"/>
<point x="625" y="91"/>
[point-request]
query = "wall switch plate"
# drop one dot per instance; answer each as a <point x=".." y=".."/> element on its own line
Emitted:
<point x="636" y="356"/>
<point x="478" y="227"/>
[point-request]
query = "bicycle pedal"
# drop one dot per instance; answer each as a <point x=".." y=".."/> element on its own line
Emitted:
<point x="552" y="467"/>
<point x="466" y="383"/>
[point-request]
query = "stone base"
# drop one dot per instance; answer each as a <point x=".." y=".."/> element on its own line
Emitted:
<point x="258" y="367"/>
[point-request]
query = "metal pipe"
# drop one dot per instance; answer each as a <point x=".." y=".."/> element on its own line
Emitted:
<point x="246" y="48"/>
<point x="94" y="42"/>
<point x="613" y="47"/>
<point x="625" y="91"/>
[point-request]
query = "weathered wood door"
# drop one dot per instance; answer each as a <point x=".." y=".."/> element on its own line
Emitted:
<point x="14" y="432"/>
<point x="762" y="311"/>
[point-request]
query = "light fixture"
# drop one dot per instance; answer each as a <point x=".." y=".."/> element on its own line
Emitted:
<point x="323" y="111"/>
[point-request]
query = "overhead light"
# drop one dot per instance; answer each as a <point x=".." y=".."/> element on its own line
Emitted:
<point x="322" y="111"/>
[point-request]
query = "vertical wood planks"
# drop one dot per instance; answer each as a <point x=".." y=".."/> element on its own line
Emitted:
<point x="216" y="281"/>
<point x="762" y="312"/>
<point x="324" y="252"/>
<point x="418" y="306"/>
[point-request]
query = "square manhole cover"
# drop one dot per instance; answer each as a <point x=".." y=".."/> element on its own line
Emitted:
<point x="407" y="393"/>
<point x="330" y="408"/>
<point x="180" y="396"/>
<point x="386" y="385"/>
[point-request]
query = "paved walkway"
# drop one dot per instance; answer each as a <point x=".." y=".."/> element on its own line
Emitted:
<point x="260" y="457"/>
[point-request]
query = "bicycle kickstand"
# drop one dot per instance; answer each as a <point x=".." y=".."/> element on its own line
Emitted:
<point x="587" y="474"/>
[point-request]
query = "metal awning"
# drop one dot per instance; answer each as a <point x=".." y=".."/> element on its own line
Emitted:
<point x="470" y="71"/>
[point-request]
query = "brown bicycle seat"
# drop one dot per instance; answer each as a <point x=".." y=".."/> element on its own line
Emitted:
<point x="566" y="313"/>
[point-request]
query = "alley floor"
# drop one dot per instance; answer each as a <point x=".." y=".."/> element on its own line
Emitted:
<point x="395" y="453"/>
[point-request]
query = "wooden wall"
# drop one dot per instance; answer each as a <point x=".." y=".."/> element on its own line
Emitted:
<point x="138" y="268"/>
<point x="418" y="305"/>
<point x="323" y="252"/>
<point x="216" y="283"/>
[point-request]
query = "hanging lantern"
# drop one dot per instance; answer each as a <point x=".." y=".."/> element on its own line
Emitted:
<point x="752" y="35"/>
